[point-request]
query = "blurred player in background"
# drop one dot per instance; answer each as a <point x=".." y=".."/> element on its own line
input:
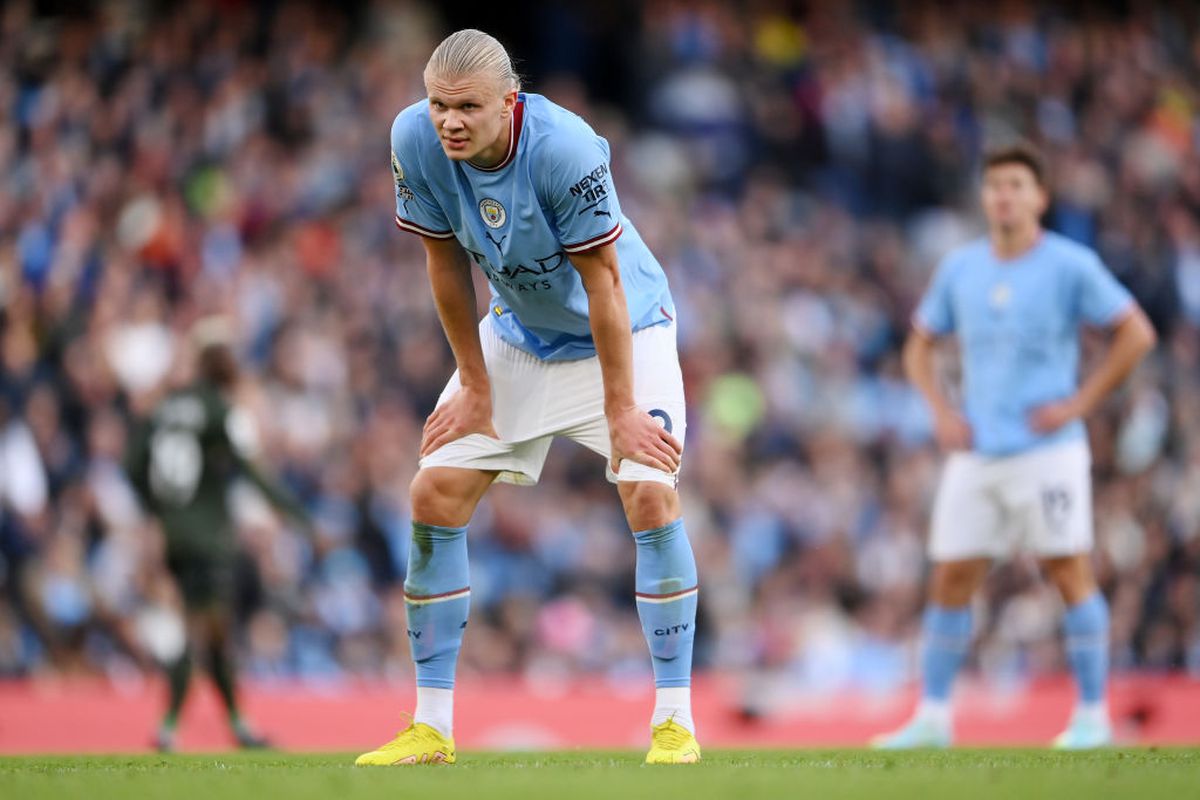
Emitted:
<point x="1018" y="473"/>
<point x="578" y="341"/>
<point x="182" y="461"/>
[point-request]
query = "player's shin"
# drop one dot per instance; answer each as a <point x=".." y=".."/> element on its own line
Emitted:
<point x="1086" y="626"/>
<point x="946" y="639"/>
<point x="220" y="666"/>
<point x="667" y="590"/>
<point x="437" y="597"/>
<point x="179" y="674"/>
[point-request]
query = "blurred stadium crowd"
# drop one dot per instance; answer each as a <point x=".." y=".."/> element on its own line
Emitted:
<point x="797" y="170"/>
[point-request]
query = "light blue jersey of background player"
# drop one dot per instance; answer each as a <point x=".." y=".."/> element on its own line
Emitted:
<point x="1018" y="324"/>
<point x="1018" y="468"/>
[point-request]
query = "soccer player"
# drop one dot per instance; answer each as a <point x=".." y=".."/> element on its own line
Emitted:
<point x="578" y="341"/>
<point x="1018" y="470"/>
<point x="181" y="461"/>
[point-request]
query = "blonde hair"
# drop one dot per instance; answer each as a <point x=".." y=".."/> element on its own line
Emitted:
<point x="472" y="52"/>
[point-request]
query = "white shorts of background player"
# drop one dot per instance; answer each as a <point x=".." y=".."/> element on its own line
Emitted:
<point x="1039" y="501"/>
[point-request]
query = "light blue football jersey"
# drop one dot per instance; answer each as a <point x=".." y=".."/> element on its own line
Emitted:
<point x="551" y="196"/>
<point x="1018" y="326"/>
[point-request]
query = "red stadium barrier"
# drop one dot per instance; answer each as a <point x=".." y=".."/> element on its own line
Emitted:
<point x="511" y="713"/>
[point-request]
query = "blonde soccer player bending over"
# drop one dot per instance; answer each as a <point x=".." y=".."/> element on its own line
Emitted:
<point x="578" y="341"/>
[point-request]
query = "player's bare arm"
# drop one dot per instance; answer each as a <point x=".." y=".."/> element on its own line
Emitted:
<point x="470" y="410"/>
<point x="951" y="429"/>
<point x="1133" y="338"/>
<point x="635" y="434"/>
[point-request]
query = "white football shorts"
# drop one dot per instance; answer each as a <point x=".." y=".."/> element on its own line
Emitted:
<point x="1040" y="500"/>
<point x="533" y="401"/>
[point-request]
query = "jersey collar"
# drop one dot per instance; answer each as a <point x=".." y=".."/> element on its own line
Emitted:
<point x="515" y="123"/>
<point x="1041" y="238"/>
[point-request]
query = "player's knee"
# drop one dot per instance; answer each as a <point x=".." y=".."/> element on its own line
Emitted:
<point x="430" y="497"/>
<point x="1072" y="576"/>
<point x="436" y="499"/>
<point x="649" y="504"/>
<point x="954" y="583"/>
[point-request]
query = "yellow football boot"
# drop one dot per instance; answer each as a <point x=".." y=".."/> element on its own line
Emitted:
<point x="671" y="743"/>
<point x="417" y="744"/>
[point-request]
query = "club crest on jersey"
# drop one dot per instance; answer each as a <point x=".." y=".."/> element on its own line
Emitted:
<point x="494" y="215"/>
<point x="1000" y="296"/>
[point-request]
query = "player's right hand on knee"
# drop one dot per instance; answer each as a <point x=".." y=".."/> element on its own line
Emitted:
<point x="640" y="437"/>
<point x="467" y="411"/>
<point x="952" y="430"/>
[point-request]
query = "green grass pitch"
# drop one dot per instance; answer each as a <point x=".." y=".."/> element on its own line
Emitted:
<point x="581" y="775"/>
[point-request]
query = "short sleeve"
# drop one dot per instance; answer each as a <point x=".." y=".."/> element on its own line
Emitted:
<point x="579" y="192"/>
<point x="935" y="314"/>
<point x="416" y="209"/>
<point x="1101" y="299"/>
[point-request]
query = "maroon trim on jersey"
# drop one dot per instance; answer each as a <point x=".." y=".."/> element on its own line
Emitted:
<point x="515" y="124"/>
<point x="607" y="237"/>
<point x="421" y="230"/>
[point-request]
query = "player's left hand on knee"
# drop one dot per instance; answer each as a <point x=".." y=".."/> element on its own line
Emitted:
<point x="1052" y="416"/>
<point x="640" y="437"/>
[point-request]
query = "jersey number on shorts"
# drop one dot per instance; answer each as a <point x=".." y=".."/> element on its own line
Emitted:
<point x="175" y="465"/>
<point x="1056" y="507"/>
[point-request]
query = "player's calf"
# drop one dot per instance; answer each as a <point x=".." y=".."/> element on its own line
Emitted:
<point x="945" y="642"/>
<point x="667" y="593"/>
<point x="946" y="639"/>
<point x="1086" y="627"/>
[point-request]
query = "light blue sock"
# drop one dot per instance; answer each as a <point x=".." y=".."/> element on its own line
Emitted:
<point x="667" y="591"/>
<point x="437" y="596"/>
<point x="1086" y="626"/>
<point x="946" y="634"/>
